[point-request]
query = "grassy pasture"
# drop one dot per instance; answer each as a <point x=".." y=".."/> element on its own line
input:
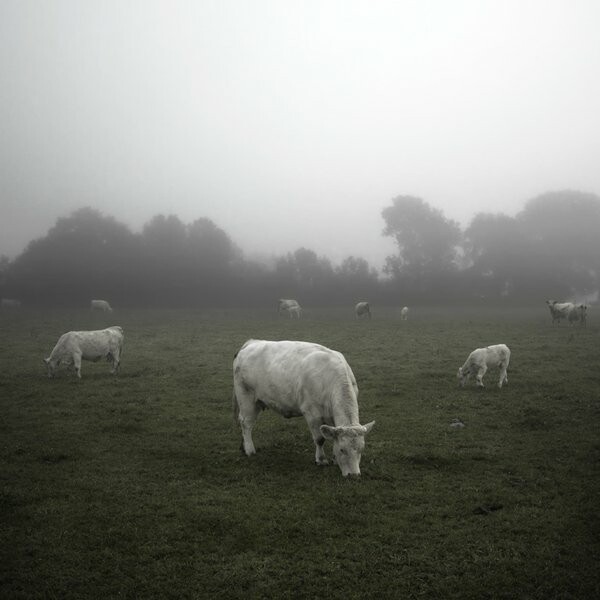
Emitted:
<point x="135" y="486"/>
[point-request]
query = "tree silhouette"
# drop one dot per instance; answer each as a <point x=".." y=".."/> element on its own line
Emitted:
<point x="496" y="252"/>
<point x="565" y="247"/>
<point x="85" y="255"/>
<point x="427" y="243"/>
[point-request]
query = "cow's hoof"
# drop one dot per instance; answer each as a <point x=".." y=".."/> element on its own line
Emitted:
<point x="243" y="451"/>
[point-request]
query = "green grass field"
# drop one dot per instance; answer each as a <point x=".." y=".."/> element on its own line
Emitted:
<point x="135" y="486"/>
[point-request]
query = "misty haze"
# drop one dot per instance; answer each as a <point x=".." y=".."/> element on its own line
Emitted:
<point x="292" y="125"/>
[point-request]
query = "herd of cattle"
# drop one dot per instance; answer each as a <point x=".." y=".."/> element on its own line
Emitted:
<point x="293" y="378"/>
<point x="362" y="309"/>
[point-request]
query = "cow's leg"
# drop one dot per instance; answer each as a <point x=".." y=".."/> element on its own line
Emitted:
<point x="503" y="375"/>
<point x="248" y="413"/>
<point x="480" y="373"/>
<point x="314" y="426"/>
<point x="77" y="364"/>
<point x="116" y="356"/>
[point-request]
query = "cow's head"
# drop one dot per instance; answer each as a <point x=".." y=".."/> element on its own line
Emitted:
<point x="50" y="366"/>
<point x="348" y="444"/>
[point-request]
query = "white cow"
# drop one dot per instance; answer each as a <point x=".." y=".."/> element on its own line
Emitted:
<point x="291" y="307"/>
<point x="481" y="359"/>
<point x="75" y="346"/>
<point x="567" y="310"/>
<point x="559" y="310"/>
<point x="10" y="303"/>
<point x="301" y="379"/>
<point x="102" y="305"/>
<point x="404" y="313"/>
<point x="361" y="309"/>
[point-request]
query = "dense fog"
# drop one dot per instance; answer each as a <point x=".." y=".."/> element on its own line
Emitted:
<point x="293" y="124"/>
<point x="550" y="249"/>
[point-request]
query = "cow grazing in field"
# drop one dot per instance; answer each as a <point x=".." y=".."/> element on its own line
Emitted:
<point x="404" y="313"/>
<point x="301" y="379"/>
<point x="481" y="359"/>
<point x="362" y="309"/>
<point x="10" y="303"/>
<point x="102" y="305"/>
<point x="291" y="307"/>
<point x="567" y="310"/>
<point x="75" y="346"/>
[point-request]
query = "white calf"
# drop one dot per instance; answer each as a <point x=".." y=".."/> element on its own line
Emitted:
<point x="301" y="379"/>
<point x="481" y="359"/>
<point x="75" y="346"/>
<point x="404" y="313"/>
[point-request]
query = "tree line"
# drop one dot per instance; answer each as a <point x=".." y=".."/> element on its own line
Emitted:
<point x="549" y="249"/>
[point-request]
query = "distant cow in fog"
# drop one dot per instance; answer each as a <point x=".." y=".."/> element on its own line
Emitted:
<point x="361" y="309"/>
<point x="10" y="303"/>
<point x="75" y="346"/>
<point x="301" y="379"/>
<point x="567" y="310"/>
<point x="291" y="307"/>
<point x="481" y="359"/>
<point x="102" y="305"/>
<point x="404" y="313"/>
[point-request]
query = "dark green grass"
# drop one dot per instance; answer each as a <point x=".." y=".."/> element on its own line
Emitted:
<point x="135" y="486"/>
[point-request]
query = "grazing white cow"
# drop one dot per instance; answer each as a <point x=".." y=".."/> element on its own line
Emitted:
<point x="567" y="310"/>
<point x="291" y="307"/>
<point x="404" y="313"/>
<point x="102" y="305"/>
<point x="10" y="303"/>
<point x="481" y="359"/>
<point x="301" y="379"/>
<point x="75" y="346"/>
<point x="361" y="309"/>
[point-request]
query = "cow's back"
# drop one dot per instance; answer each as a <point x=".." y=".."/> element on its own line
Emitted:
<point x="287" y="375"/>
<point x="89" y="343"/>
<point x="499" y="353"/>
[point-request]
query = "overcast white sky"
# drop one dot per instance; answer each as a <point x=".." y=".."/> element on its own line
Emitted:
<point x="292" y="123"/>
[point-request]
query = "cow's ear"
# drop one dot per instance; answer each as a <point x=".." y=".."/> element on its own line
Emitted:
<point x="368" y="427"/>
<point x="329" y="433"/>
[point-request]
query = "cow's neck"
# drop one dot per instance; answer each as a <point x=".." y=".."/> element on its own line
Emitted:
<point x="344" y="409"/>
